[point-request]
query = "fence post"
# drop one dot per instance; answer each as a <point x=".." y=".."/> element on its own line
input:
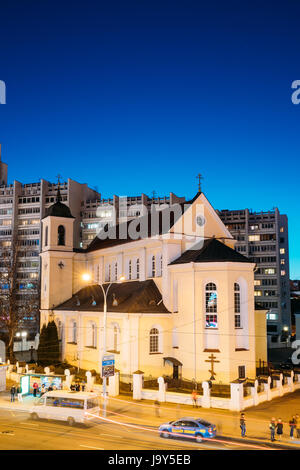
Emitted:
<point x="89" y="381"/>
<point x="69" y="378"/>
<point x="137" y="383"/>
<point x="237" y="396"/>
<point x="279" y="385"/>
<point x="113" y="385"/>
<point x="290" y="381"/>
<point x="161" y="389"/>
<point x="205" y="402"/>
<point x="267" y="388"/>
<point x="254" y="393"/>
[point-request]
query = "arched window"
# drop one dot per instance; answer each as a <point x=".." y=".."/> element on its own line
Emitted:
<point x="137" y="268"/>
<point x="237" y="305"/>
<point x="109" y="272"/>
<point x="211" y="305"/>
<point x="91" y="335"/>
<point x="129" y="269"/>
<point x="153" y="266"/>
<point x="61" y="235"/>
<point x="74" y="332"/>
<point x="59" y="329"/>
<point x="46" y="236"/>
<point x="154" y="340"/>
<point x="116" y="271"/>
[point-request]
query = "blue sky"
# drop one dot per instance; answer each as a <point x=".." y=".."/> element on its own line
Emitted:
<point x="138" y="96"/>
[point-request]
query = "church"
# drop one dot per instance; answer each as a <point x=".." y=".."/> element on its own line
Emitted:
<point x="179" y="298"/>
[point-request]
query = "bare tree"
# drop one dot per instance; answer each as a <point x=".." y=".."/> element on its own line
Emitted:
<point x="12" y="309"/>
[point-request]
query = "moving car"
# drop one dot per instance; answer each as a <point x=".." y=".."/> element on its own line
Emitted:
<point x="66" y="406"/>
<point x="196" y="428"/>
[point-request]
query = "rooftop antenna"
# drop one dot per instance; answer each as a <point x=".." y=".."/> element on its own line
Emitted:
<point x="199" y="177"/>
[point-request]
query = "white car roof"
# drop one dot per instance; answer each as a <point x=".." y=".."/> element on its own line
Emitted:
<point x="66" y="394"/>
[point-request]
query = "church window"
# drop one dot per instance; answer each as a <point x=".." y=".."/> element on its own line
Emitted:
<point x="237" y="305"/>
<point x="116" y="271"/>
<point x="153" y="266"/>
<point x="61" y="235"/>
<point x="138" y="268"/>
<point x="211" y="319"/>
<point x="129" y="270"/>
<point x="154" y="340"/>
<point x="46" y="236"/>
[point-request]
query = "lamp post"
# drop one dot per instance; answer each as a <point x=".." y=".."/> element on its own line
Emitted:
<point x="87" y="277"/>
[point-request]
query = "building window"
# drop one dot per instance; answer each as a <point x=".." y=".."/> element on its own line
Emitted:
<point x="242" y="372"/>
<point x="129" y="270"/>
<point x="282" y="261"/>
<point x="46" y="236"/>
<point x="154" y="340"/>
<point x="116" y="271"/>
<point x="211" y="321"/>
<point x="74" y="332"/>
<point x="281" y="229"/>
<point x="138" y="268"/>
<point x="115" y="338"/>
<point x="153" y="266"/>
<point x="282" y="272"/>
<point x="61" y="235"/>
<point x="254" y="238"/>
<point x="257" y="282"/>
<point x="237" y="305"/>
<point x="282" y="251"/>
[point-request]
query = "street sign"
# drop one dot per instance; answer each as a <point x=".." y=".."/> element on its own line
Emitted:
<point x="108" y="365"/>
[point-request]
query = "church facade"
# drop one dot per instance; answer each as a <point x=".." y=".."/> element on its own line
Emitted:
<point x="180" y="299"/>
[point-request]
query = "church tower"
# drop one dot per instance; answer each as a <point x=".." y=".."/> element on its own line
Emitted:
<point x="56" y="255"/>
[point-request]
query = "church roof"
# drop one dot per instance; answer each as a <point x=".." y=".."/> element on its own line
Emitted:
<point x="118" y="234"/>
<point x="125" y="297"/>
<point x="58" y="209"/>
<point x="212" y="250"/>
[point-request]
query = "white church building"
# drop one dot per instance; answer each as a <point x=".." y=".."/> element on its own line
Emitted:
<point x="185" y="295"/>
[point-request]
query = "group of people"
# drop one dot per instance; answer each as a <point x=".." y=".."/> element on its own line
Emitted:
<point x="276" y="427"/>
<point x="16" y="391"/>
<point x="77" y="387"/>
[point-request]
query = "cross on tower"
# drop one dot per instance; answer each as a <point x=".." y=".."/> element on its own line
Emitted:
<point x="199" y="178"/>
<point x="58" y="178"/>
<point x="212" y="360"/>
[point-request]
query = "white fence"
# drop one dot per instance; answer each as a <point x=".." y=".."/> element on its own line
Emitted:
<point x="236" y="402"/>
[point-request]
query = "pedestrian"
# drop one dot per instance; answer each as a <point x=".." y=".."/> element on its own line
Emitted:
<point x="82" y="387"/>
<point x="19" y="392"/>
<point x="43" y="390"/>
<point x="157" y="408"/>
<point x="279" y="428"/>
<point x="272" y="427"/>
<point x="243" y="425"/>
<point x="77" y="387"/>
<point x="12" y="393"/>
<point x="35" y="388"/>
<point x="194" y="398"/>
<point x="292" y="424"/>
<point x="72" y="388"/>
<point x="298" y="426"/>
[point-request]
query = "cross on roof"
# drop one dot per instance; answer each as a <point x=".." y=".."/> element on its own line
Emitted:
<point x="58" y="178"/>
<point x="199" y="178"/>
<point x="212" y="360"/>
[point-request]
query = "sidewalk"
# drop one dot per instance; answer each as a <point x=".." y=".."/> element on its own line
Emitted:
<point x="6" y="404"/>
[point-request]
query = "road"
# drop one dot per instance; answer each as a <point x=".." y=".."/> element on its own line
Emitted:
<point x="19" y="431"/>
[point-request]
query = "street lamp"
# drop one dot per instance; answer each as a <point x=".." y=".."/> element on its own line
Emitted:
<point x="87" y="277"/>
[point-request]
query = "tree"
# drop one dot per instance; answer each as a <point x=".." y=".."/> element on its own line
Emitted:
<point x="12" y="309"/>
<point x="48" y="350"/>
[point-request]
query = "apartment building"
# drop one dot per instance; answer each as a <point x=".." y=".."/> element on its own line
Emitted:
<point x="98" y="213"/>
<point x="263" y="237"/>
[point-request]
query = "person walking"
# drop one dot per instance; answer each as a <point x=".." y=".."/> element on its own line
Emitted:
<point x="292" y="424"/>
<point x="35" y="387"/>
<point x="272" y="427"/>
<point x="157" y="408"/>
<point x="12" y="393"/>
<point x="279" y="428"/>
<point x="194" y="398"/>
<point x="243" y="425"/>
<point x="19" y="392"/>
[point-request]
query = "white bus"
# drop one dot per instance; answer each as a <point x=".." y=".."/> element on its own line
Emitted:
<point x="66" y="406"/>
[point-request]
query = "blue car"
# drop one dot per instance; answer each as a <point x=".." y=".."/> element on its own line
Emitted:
<point x="195" y="428"/>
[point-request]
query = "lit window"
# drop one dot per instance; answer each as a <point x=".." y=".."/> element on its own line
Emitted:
<point x="269" y="271"/>
<point x="257" y="282"/>
<point x="281" y="229"/>
<point x="272" y="316"/>
<point x="282" y="251"/>
<point x="282" y="272"/>
<point x="254" y="238"/>
<point x="211" y="321"/>
<point x="282" y="261"/>
<point x="257" y="293"/>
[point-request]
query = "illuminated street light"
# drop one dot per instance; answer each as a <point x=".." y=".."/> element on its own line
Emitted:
<point x="87" y="277"/>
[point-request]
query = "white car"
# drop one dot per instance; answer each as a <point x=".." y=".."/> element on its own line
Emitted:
<point x="66" y="406"/>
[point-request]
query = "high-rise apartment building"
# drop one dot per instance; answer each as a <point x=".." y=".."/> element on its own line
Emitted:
<point x="263" y="237"/>
<point x="98" y="213"/>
